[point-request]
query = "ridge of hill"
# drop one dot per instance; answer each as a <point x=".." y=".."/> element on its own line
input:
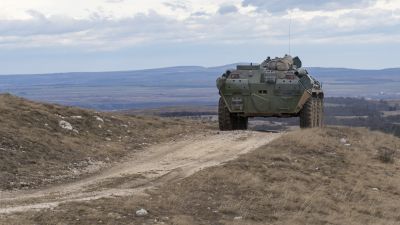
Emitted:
<point x="42" y="144"/>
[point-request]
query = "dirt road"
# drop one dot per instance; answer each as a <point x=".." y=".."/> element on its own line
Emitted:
<point x="144" y="170"/>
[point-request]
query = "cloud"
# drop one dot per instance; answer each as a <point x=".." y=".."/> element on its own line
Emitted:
<point x="176" y="5"/>
<point x="42" y="25"/>
<point x="114" y="1"/>
<point x="225" y="9"/>
<point x="199" y="14"/>
<point x="223" y="24"/>
<point x="274" y="6"/>
<point x="191" y="31"/>
<point x="98" y="31"/>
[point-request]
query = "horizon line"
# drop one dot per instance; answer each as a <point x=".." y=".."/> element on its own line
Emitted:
<point x="185" y="66"/>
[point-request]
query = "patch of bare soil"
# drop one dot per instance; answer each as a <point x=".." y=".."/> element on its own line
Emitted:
<point x="145" y="170"/>
<point x="316" y="176"/>
<point x="42" y="144"/>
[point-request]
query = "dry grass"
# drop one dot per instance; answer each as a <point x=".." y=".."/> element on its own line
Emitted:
<point x="35" y="150"/>
<point x="305" y="177"/>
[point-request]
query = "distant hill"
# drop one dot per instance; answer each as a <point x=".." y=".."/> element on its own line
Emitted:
<point x="186" y="85"/>
<point x="376" y="84"/>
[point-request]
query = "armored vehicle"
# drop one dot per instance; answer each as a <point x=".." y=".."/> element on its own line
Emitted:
<point x="277" y="87"/>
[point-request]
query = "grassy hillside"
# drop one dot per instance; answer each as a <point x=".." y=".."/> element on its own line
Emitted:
<point x="43" y="143"/>
<point x="335" y="175"/>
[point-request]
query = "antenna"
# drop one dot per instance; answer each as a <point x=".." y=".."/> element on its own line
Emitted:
<point x="290" y="34"/>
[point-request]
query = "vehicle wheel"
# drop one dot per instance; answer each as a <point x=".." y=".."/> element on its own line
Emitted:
<point x="320" y="111"/>
<point x="225" y="118"/>
<point x="306" y="117"/>
<point x="312" y="113"/>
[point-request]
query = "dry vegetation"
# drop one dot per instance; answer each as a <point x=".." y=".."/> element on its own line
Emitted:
<point x="317" y="176"/>
<point x="35" y="150"/>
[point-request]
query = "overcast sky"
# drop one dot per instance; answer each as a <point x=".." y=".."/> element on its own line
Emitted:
<point x="41" y="36"/>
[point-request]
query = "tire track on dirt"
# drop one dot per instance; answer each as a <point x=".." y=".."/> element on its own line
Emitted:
<point x="153" y="166"/>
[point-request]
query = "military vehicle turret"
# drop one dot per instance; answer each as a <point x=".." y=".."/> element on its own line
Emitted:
<point x="277" y="87"/>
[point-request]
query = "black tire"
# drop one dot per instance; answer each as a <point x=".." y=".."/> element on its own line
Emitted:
<point x="225" y="119"/>
<point x="312" y="113"/>
<point x="320" y="111"/>
<point x="306" y="117"/>
<point x="230" y="121"/>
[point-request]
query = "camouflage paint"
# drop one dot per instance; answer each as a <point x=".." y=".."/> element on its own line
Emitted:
<point x="252" y="90"/>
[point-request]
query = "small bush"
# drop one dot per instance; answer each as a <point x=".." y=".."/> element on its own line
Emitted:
<point x="386" y="155"/>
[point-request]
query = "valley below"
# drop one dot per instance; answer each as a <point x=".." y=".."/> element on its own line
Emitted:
<point x="178" y="86"/>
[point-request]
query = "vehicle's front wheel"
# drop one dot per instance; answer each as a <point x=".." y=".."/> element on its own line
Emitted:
<point x="312" y="113"/>
<point x="225" y="119"/>
<point x="228" y="120"/>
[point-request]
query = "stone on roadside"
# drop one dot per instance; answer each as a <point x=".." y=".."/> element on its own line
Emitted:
<point x="141" y="212"/>
<point x="99" y="119"/>
<point x="65" y="125"/>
